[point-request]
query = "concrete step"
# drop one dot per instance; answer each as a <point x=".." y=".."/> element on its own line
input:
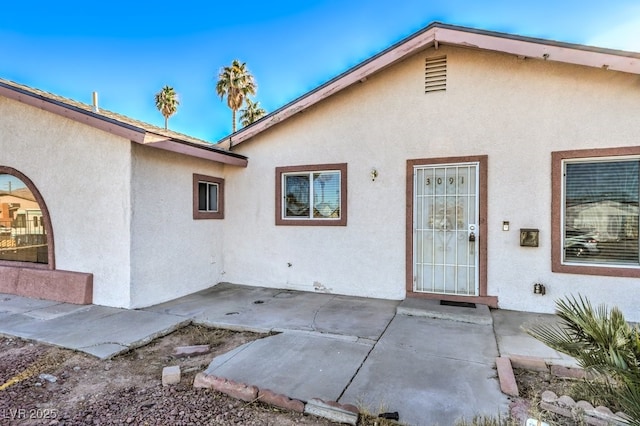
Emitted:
<point x="430" y="308"/>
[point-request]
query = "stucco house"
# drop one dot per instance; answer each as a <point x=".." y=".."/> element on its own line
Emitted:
<point x="458" y="164"/>
<point x="133" y="214"/>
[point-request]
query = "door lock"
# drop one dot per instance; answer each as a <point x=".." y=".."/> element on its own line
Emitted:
<point x="472" y="236"/>
<point x="472" y="233"/>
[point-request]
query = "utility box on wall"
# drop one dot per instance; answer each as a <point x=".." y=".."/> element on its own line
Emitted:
<point x="529" y="237"/>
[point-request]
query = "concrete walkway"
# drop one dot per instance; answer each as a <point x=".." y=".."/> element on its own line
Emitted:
<point x="432" y="364"/>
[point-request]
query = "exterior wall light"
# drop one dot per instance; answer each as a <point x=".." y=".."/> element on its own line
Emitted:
<point x="374" y="174"/>
<point x="539" y="289"/>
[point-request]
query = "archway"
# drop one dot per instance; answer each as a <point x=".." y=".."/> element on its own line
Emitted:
<point x="26" y="234"/>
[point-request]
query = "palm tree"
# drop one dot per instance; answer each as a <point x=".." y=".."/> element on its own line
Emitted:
<point x="167" y="103"/>
<point x="252" y="112"/>
<point x="236" y="83"/>
<point x="604" y="344"/>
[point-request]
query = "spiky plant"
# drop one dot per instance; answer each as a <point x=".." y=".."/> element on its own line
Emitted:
<point x="603" y="343"/>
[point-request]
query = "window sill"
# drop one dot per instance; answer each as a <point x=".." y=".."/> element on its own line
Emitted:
<point x="617" y="271"/>
<point x="311" y="222"/>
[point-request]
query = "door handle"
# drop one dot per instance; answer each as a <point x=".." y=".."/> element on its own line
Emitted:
<point x="472" y="237"/>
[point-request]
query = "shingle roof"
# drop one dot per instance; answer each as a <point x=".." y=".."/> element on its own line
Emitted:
<point x="133" y="129"/>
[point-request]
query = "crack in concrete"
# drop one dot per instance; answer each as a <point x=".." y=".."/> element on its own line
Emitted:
<point x="315" y="314"/>
<point x="365" y="359"/>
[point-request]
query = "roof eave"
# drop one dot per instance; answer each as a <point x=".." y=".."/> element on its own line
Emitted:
<point x="194" y="150"/>
<point x="118" y="128"/>
<point x="442" y="34"/>
<point x="575" y="54"/>
<point x="106" y="124"/>
<point x="357" y="74"/>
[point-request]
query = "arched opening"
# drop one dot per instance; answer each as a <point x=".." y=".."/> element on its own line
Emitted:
<point x="26" y="235"/>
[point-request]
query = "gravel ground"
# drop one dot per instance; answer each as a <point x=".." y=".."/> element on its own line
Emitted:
<point x="44" y="385"/>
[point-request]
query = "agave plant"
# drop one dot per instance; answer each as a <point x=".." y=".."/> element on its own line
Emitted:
<point x="603" y="343"/>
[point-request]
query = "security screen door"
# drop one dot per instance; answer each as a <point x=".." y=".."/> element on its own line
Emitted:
<point x="445" y="227"/>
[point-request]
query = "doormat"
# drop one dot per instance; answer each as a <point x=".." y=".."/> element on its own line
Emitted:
<point x="458" y="304"/>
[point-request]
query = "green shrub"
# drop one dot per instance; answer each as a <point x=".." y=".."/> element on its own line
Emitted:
<point x="605" y="345"/>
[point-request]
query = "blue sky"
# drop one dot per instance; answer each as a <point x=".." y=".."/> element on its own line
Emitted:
<point x="8" y="182"/>
<point x="127" y="50"/>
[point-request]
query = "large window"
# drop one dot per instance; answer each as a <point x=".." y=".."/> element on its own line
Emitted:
<point x="208" y="197"/>
<point x="598" y="220"/>
<point x="311" y="195"/>
<point x="23" y="228"/>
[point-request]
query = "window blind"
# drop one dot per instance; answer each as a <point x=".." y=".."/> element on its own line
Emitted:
<point x="601" y="212"/>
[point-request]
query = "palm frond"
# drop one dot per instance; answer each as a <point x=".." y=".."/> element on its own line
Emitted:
<point x="602" y="342"/>
<point x="251" y="113"/>
<point x="235" y="82"/>
<point x="167" y="103"/>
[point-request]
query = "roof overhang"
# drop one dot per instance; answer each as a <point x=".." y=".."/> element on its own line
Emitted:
<point x="119" y="128"/>
<point x="194" y="150"/>
<point x="71" y="112"/>
<point x="435" y="35"/>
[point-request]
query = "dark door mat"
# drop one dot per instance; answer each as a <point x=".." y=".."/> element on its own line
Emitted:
<point x="458" y="304"/>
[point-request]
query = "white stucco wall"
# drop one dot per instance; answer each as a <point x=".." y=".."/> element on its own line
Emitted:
<point x="514" y="111"/>
<point x="124" y="212"/>
<point x="172" y="254"/>
<point x="84" y="176"/>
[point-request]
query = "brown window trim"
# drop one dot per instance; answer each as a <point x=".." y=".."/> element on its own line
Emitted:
<point x="341" y="167"/>
<point x="483" y="297"/>
<point x="197" y="214"/>
<point x="51" y="264"/>
<point x="556" y="213"/>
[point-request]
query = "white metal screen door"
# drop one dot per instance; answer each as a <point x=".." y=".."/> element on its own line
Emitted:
<point x="445" y="229"/>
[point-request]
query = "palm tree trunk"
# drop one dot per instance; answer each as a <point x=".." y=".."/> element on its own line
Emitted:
<point x="166" y="122"/>
<point x="233" y="119"/>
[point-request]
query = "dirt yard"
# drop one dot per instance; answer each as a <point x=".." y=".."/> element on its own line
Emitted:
<point x="44" y="385"/>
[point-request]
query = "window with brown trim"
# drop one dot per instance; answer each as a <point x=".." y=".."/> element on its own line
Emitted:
<point x="208" y="197"/>
<point x="312" y="195"/>
<point x="595" y="211"/>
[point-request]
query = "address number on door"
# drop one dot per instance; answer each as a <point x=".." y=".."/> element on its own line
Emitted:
<point x="439" y="181"/>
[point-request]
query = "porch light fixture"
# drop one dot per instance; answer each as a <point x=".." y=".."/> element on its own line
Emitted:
<point x="374" y="174"/>
<point x="538" y="288"/>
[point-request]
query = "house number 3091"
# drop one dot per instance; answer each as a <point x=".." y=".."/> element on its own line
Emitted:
<point x="451" y="180"/>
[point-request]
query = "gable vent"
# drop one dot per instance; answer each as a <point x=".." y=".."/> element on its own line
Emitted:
<point x="435" y="74"/>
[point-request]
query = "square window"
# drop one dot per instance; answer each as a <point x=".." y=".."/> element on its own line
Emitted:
<point x="595" y="209"/>
<point x="311" y="195"/>
<point x="208" y="197"/>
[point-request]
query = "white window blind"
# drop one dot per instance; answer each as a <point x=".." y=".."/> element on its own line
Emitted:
<point x="601" y="212"/>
